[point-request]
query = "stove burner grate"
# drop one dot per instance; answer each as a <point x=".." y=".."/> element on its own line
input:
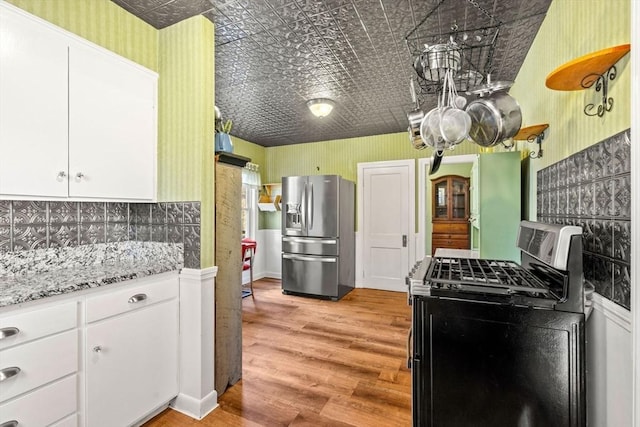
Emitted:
<point x="484" y="276"/>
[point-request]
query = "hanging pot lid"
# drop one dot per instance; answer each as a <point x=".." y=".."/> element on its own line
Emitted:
<point x="490" y="87"/>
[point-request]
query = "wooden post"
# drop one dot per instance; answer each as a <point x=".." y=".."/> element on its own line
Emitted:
<point x="228" y="295"/>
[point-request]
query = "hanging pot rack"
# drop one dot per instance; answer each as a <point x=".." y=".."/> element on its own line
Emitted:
<point x="475" y="47"/>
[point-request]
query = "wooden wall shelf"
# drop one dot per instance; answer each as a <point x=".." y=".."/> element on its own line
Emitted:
<point x="530" y="132"/>
<point x="583" y="72"/>
<point x="535" y="134"/>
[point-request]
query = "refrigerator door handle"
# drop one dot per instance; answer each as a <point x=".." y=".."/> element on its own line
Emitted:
<point x="303" y="209"/>
<point x="308" y="258"/>
<point x="310" y="206"/>
<point x="299" y="240"/>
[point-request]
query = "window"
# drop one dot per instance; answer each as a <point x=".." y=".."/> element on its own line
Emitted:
<point x="249" y="211"/>
<point x="250" y="186"/>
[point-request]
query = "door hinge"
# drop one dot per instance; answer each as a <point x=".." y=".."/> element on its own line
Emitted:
<point x="404" y="240"/>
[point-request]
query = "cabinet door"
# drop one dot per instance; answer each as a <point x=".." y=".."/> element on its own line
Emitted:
<point x="112" y="126"/>
<point x="33" y="107"/>
<point x="459" y="199"/>
<point x="131" y="364"/>
<point x="441" y="200"/>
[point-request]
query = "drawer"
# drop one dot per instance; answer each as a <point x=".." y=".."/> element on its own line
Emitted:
<point x="131" y="298"/>
<point x="20" y="326"/>
<point x="450" y="244"/>
<point x="450" y="236"/>
<point x="451" y="228"/>
<point x="39" y="362"/>
<point x="54" y="403"/>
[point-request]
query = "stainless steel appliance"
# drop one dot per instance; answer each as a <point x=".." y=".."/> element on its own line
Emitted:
<point x="496" y="343"/>
<point x="318" y="237"/>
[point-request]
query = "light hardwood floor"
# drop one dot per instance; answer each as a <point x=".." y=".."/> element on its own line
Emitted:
<point x="317" y="363"/>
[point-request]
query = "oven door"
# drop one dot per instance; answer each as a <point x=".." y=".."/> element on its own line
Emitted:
<point x="496" y="365"/>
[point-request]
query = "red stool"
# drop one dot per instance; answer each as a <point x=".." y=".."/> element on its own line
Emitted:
<point x="248" y="253"/>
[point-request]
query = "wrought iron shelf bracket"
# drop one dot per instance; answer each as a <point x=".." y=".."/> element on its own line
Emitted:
<point x="533" y="134"/>
<point x="595" y="70"/>
<point x="601" y="84"/>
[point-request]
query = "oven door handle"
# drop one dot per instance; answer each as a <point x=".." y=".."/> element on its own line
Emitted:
<point x="409" y="351"/>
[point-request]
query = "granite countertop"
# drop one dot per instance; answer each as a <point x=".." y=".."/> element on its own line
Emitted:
<point x="32" y="275"/>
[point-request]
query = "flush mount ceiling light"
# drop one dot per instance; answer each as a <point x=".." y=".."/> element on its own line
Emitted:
<point x="320" y="107"/>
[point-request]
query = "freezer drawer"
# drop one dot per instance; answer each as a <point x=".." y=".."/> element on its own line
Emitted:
<point x="312" y="275"/>
<point x="310" y="246"/>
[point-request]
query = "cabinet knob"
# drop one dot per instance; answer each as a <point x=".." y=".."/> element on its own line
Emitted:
<point x="61" y="175"/>
<point x="137" y="298"/>
<point x="97" y="349"/>
<point x="79" y="176"/>
<point x="7" y="373"/>
<point x="12" y="423"/>
<point x="8" y="332"/>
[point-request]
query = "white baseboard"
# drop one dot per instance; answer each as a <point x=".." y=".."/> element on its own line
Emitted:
<point x="271" y="275"/>
<point x="195" y="408"/>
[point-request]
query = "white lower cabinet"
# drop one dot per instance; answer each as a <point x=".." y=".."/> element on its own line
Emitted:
<point x="115" y="367"/>
<point x="131" y="357"/>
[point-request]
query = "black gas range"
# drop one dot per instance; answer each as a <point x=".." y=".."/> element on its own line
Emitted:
<point x="497" y="343"/>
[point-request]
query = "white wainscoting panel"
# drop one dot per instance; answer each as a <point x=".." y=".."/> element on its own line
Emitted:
<point x="268" y="261"/>
<point x="609" y="365"/>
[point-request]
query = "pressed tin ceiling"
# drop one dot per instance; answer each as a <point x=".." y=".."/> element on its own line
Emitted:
<point x="272" y="56"/>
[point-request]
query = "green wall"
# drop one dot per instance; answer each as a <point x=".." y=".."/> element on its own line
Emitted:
<point x="183" y="55"/>
<point x="340" y="157"/>
<point x="186" y="121"/>
<point x="255" y="152"/>
<point x="572" y="28"/>
<point x="102" y="22"/>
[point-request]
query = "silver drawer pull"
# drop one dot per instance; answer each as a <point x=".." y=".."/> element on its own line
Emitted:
<point x="12" y="423"/>
<point x="7" y="373"/>
<point x="137" y="298"/>
<point x="8" y="332"/>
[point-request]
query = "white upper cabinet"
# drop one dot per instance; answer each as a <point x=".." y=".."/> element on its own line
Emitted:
<point x="112" y="126"/>
<point x="76" y="120"/>
<point x="33" y="113"/>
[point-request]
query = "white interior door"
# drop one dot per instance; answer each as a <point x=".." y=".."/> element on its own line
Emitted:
<point x="386" y="220"/>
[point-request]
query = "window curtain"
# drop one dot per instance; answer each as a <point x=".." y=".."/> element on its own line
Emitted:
<point x="251" y="175"/>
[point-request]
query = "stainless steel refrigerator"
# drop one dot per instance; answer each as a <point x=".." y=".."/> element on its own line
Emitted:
<point x="318" y="236"/>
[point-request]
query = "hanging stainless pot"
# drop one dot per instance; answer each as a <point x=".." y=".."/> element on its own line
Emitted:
<point x="494" y="118"/>
<point x="439" y="58"/>
<point x="415" y="119"/>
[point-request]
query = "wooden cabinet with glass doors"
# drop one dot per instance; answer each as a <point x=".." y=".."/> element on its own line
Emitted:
<point x="450" y="219"/>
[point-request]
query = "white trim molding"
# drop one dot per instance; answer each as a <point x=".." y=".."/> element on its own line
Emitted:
<point x="423" y="166"/>
<point x="612" y="311"/>
<point x="197" y="396"/>
<point x="635" y="206"/>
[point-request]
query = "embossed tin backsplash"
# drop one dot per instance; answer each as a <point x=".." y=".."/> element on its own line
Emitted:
<point x="26" y="225"/>
<point x="592" y="189"/>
